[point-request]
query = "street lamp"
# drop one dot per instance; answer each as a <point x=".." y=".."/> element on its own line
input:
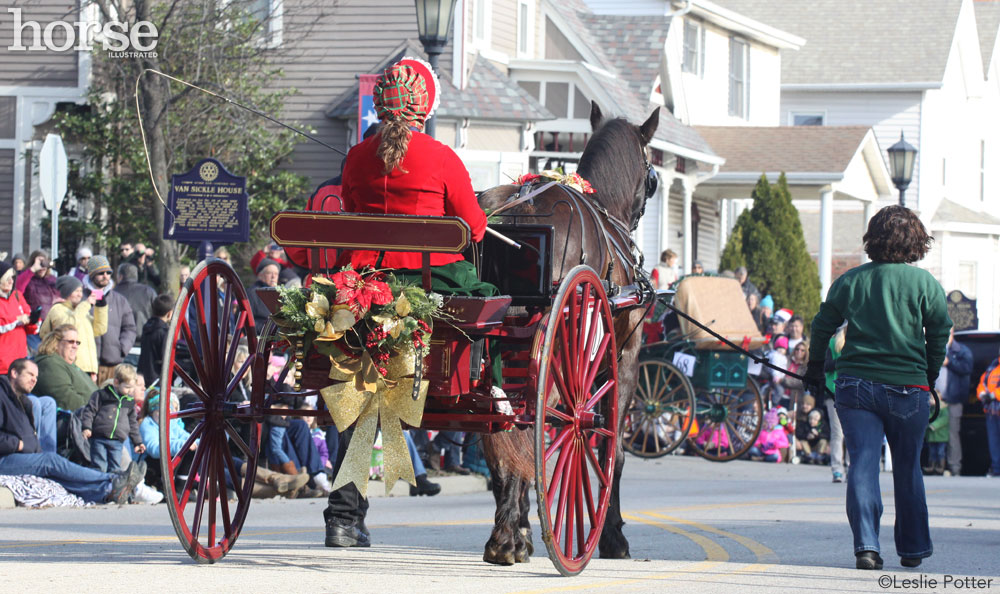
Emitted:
<point x="434" y="21"/>
<point x="901" y="158"/>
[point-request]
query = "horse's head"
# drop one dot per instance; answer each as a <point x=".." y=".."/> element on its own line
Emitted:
<point x="615" y="163"/>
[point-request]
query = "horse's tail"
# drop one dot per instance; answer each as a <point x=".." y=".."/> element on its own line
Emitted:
<point x="513" y="451"/>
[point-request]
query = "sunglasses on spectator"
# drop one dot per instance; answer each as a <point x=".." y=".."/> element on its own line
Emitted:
<point x="103" y="273"/>
<point x="76" y="342"/>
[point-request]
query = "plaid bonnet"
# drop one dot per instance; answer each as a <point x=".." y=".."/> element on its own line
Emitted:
<point x="401" y="92"/>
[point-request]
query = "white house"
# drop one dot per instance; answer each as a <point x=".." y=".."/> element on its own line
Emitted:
<point x="926" y="69"/>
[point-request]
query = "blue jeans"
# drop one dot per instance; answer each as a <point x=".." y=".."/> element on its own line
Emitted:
<point x="868" y="410"/>
<point x="993" y="440"/>
<point x="936" y="451"/>
<point x="43" y="408"/>
<point x="294" y="443"/>
<point x="106" y="454"/>
<point x="418" y="464"/>
<point x="89" y="484"/>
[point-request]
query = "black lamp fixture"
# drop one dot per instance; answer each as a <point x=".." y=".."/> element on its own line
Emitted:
<point x="434" y="22"/>
<point x="902" y="155"/>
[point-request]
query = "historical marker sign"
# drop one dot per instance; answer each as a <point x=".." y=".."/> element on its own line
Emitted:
<point x="962" y="311"/>
<point x="207" y="204"/>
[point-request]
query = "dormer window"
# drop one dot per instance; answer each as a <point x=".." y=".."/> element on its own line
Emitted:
<point x="739" y="69"/>
<point x="694" y="48"/>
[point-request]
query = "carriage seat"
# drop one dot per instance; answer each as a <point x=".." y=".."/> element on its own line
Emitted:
<point x="718" y="303"/>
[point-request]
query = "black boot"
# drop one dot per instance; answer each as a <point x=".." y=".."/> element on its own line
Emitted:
<point x="424" y="487"/>
<point x="343" y="535"/>
<point x="868" y="560"/>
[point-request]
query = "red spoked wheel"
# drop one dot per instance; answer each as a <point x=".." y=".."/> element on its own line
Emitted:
<point x="211" y="318"/>
<point x="578" y="404"/>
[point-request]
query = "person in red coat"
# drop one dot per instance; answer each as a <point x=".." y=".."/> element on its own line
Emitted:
<point x="401" y="170"/>
<point x="15" y="320"/>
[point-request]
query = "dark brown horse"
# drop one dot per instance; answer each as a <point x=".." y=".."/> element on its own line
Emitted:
<point x="615" y="165"/>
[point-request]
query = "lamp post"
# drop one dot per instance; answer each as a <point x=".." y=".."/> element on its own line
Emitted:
<point x="901" y="158"/>
<point x="434" y="21"/>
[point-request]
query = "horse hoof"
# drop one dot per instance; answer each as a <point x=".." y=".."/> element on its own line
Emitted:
<point x="618" y="554"/>
<point x="526" y="536"/>
<point x="497" y="557"/>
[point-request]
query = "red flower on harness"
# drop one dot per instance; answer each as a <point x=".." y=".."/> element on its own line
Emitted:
<point x="359" y="291"/>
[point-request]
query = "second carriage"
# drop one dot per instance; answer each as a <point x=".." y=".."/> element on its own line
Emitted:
<point x="694" y="388"/>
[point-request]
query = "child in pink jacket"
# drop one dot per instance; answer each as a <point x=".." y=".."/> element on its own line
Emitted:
<point x="771" y="441"/>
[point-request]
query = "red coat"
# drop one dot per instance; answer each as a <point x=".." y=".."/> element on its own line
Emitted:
<point x="436" y="184"/>
<point x="13" y="337"/>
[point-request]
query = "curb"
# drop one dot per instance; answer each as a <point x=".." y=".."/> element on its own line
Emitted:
<point x="450" y="485"/>
<point x="7" y="498"/>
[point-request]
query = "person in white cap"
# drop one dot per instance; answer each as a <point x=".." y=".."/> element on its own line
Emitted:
<point x="83" y="255"/>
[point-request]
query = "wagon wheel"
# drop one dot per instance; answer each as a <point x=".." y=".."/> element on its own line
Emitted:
<point x="578" y="399"/>
<point x="196" y="477"/>
<point x="658" y="417"/>
<point x="728" y="421"/>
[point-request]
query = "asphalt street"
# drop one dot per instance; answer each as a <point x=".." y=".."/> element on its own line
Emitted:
<point x="694" y="526"/>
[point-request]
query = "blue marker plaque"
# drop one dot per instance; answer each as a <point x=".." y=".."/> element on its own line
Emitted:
<point x="207" y="204"/>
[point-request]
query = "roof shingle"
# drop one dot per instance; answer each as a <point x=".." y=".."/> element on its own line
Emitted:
<point x="872" y="42"/>
<point x="799" y="149"/>
<point x="988" y="24"/>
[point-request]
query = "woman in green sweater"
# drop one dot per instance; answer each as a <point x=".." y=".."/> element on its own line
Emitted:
<point x="896" y="337"/>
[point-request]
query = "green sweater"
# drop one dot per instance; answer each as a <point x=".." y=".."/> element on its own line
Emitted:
<point x="897" y="328"/>
<point x="69" y="385"/>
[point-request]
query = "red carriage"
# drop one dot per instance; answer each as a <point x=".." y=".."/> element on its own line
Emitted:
<point x="560" y="374"/>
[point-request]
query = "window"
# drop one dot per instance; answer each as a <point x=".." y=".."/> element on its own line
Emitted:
<point x="982" y="171"/>
<point x="481" y="23"/>
<point x="739" y="69"/>
<point x="525" y="28"/>
<point x="694" y="48"/>
<point x="807" y="119"/>
<point x="269" y="13"/>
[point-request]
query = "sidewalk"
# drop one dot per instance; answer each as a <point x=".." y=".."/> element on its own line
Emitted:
<point x="450" y="485"/>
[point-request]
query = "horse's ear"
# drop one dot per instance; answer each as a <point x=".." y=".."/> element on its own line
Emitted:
<point x="596" y="117"/>
<point x="648" y="128"/>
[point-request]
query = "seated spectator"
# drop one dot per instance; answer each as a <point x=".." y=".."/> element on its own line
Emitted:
<point x="20" y="453"/>
<point x="185" y="273"/>
<point x="154" y="335"/>
<point x="15" y="320"/>
<point x="23" y="375"/>
<point x="140" y="296"/>
<point x="74" y="309"/>
<point x="765" y="311"/>
<point x="290" y="450"/>
<point x="58" y="377"/>
<point x="771" y="441"/>
<point x="109" y="418"/>
<point x="697" y="268"/>
<point x="424" y="486"/>
<point x="812" y="434"/>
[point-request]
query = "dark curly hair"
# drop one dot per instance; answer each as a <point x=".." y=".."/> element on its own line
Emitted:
<point x="895" y="234"/>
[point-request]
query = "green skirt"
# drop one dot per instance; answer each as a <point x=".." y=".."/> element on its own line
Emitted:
<point x="457" y="278"/>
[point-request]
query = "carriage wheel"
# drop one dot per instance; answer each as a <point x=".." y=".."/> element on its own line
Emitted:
<point x="578" y="401"/>
<point x="728" y="421"/>
<point x="211" y="316"/>
<point x="658" y="417"/>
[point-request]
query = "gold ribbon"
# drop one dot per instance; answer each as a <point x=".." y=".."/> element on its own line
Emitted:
<point x="361" y="395"/>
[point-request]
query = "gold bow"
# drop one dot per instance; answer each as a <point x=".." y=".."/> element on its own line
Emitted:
<point x="363" y="396"/>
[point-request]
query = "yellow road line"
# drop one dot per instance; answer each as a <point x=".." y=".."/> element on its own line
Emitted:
<point x="713" y="552"/>
<point x="763" y="553"/>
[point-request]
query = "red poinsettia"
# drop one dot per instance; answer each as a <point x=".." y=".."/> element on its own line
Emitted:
<point x="360" y="291"/>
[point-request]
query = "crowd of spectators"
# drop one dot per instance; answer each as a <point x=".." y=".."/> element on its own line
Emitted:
<point x="80" y="362"/>
<point x="804" y="428"/>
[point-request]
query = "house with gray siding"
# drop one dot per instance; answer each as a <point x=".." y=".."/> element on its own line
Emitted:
<point x="32" y="84"/>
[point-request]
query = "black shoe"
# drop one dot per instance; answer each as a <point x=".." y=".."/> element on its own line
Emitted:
<point x="424" y="487"/>
<point x="124" y="483"/>
<point x="868" y="560"/>
<point x="458" y="470"/>
<point x="339" y="535"/>
<point x="910" y="561"/>
<point x="363" y="528"/>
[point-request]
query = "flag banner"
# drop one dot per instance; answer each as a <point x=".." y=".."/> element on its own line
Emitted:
<point x="366" y="103"/>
